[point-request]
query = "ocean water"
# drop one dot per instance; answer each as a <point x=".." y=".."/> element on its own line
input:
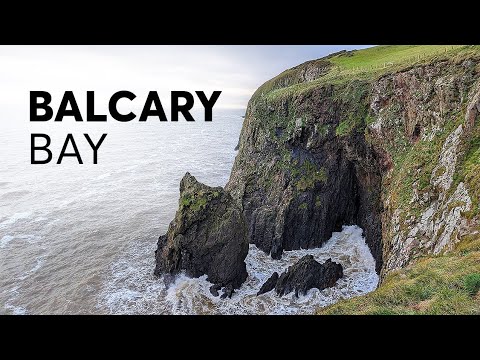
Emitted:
<point x="81" y="238"/>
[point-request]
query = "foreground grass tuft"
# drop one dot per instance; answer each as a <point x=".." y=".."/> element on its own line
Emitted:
<point x="445" y="284"/>
<point x="472" y="283"/>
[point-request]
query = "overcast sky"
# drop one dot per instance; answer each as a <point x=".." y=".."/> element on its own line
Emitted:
<point x="235" y="70"/>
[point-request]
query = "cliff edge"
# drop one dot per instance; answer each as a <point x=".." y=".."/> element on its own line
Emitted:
<point x="386" y="138"/>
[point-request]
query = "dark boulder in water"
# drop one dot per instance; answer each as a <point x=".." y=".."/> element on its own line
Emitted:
<point x="306" y="274"/>
<point x="214" y="289"/>
<point x="227" y="292"/>
<point x="208" y="236"/>
<point x="269" y="285"/>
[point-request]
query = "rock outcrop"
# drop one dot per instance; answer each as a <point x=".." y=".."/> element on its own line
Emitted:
<point x="227" y="291"/>
<point x="473" y="109"/>
<point x="208" y="236"/>
<point x="214" y="289"/>
<point x="306" y="274"/>
<point x="269" y="285"/>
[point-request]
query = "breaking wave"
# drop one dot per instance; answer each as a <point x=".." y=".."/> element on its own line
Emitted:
<point x="129" y="291"/>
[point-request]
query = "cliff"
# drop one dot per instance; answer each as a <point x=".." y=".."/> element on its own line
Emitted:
<point x="386" y="138"/>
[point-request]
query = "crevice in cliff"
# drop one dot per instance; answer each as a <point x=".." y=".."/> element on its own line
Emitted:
<point x="367" y="168"/>
<point x="369" y="210"/>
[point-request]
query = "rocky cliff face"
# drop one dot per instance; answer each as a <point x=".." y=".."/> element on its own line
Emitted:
<point x="388" y="148"/>
<point x="424" y="119"/>
<point x="298" y="178"/>
<point x="379" y="150"/>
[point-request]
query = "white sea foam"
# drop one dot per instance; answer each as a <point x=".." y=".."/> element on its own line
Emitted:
<point x="103" y="176"/>
<point x="192" y="296"/>
<point x="39" y="261"/>
<point x="14" y="218"/>
<point x="13" y="308"/>
<point x="5" y="241"/>
<point x="16" y="310"/>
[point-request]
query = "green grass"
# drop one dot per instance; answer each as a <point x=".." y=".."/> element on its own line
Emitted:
<point x="197" y="200"/>
<point x="345" y="127"/>
<point x="472" y="283"/>
<point x="353" y="122"/>
<point x="468" y="169"/>
<point x="303" y="206"/>
<point x="308" y="176"/>
<point x="389" y="55"/>
<point x="367" y="64"/>
<point x="445" y="284"/>
<point x="414" y="163"/>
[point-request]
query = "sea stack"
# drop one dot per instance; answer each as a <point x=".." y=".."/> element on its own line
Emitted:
<point x="208" y="236"/>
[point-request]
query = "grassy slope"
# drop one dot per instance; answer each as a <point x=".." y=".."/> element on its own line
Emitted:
<point x="366" y="64"/>
<point x="380" y="56"/>
<point x="444" y="284"/>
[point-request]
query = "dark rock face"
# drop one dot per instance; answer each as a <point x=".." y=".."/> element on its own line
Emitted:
<point x="227" y="292"/>
<point x="269" y="285"/>
<point x="208" y="236"/>
<point x="307" y="273"/>
<point x="299" y="178"/>
<point x="214" y="289"/>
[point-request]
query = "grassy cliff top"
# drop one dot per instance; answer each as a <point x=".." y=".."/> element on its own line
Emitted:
<point x="366" y="64"/>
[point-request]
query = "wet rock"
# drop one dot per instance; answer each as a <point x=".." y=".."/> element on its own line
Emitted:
<point x="306" y="274"/>
<point x="227" y="292"/>
<point x="208" y="236"/>
<point x="168" y="280"/>
<point x="269" y="285"/>
<point x="214" y="289"/>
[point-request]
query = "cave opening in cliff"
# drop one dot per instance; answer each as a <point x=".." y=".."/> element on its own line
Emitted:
<point x="350" y="196"/>
<point x="358" y="202"/>
<point x="416" y="133"/>
<point x="368" y="208"/>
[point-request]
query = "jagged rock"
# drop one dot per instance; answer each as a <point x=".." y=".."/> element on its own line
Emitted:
<point x="227" y="292"/>
<point x="214" y="289"/>
<point x="307" y="273"/>
<point x="208" y="236"/>
<point x="473" y="109"/>
<point x="268" y="285"/>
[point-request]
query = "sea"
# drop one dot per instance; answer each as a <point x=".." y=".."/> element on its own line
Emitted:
<point x="80" y="239"/>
